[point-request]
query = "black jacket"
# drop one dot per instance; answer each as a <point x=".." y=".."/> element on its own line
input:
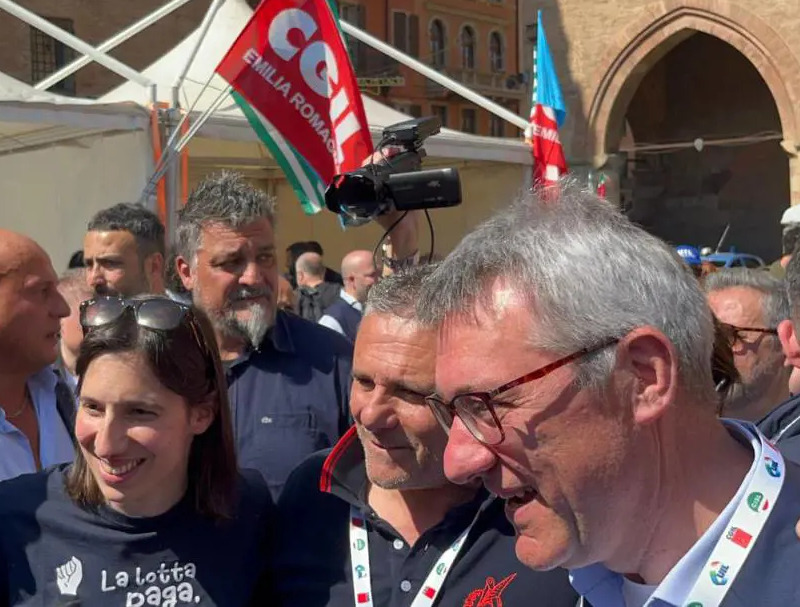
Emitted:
<point x="782" y="427"/>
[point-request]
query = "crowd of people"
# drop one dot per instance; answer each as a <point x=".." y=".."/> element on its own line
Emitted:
<point x="559" y="413"/>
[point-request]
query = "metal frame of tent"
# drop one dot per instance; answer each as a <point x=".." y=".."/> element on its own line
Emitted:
<point x="177" y="137"/>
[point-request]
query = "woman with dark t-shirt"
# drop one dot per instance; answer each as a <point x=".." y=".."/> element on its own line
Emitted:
<point x="153" y="510"/>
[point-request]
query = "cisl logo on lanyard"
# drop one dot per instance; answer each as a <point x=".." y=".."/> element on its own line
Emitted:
<point x="735" y="544"/>
<point x="359" y="561"/>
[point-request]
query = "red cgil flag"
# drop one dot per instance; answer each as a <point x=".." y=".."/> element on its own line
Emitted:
<point x="291" y="65"/>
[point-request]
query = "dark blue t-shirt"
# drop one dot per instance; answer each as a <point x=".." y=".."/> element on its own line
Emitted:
<point x="290" y="398"/>
<point x="53" y="552"/>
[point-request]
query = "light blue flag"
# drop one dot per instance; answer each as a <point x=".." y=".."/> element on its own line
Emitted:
<point x="548" y="91"/>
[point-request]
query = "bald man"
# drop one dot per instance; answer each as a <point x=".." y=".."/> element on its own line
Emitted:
<point x="314" y="295"/>
<point x="359" y="274"/>
<point x="35" y="408"/>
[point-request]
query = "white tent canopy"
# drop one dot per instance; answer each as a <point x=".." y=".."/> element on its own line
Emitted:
<point x="229" y="123"/>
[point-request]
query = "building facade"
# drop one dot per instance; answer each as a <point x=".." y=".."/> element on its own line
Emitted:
<point x="687" y="107"/>
<point x="29" y="55"/>
<point x="475" y="42"/>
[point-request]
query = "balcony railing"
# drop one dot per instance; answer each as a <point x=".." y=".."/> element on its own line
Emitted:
<point x="491" y="84"/>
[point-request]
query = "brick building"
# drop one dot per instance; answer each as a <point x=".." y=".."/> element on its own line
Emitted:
<point x="29" y="55"/>
<point x="688" y="106"/>
<point x="475" y="42"/>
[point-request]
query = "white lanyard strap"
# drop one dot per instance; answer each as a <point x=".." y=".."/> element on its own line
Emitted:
<point x="359" y="561"/>
<point x="735" y="544"/>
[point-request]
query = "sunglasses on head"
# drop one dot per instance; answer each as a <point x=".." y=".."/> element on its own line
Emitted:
<point x="158" y="313"/>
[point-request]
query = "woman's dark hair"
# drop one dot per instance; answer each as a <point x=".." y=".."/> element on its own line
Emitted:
<point x="190" y="369"/>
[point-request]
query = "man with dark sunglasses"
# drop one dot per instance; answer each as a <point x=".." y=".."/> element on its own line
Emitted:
<point x="374" y="521"/>
<point x="36" y="409"/>
<point x="573" y="374"/>
<point x="751" y="304"/>
<point x="288" y="378"/>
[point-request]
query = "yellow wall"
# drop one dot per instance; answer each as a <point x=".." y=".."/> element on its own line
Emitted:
<point x="485" y="187"/>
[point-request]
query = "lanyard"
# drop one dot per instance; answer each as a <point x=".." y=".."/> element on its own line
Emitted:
<point x="748" y="520"/>
<point x="359" y="562"/>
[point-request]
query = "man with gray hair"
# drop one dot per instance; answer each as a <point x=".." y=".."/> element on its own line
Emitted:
<point x="73" y="288"/>
<point x="375" y="516"/>
<point x="751" y="304"/>
<point x="573" y="372"/>
<point x="288" y="378"/>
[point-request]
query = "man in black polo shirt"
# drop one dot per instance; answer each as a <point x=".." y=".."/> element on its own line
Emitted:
<point x="374" y="521"/>
<point x="288" y="378"/>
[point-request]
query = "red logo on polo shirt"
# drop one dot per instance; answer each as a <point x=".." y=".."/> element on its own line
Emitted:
<point x="737" y="536"/>
<point x="363" y="597"/>
<point x="429" y="592"/>
<point x="491" y="593"/>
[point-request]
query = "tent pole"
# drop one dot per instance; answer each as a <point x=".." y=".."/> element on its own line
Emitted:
<point x="173" y="150"/>
<point x="437" y="77"/>
<point x="204" y="27"/>
<point x="110" y="44"/>
<point x="73" y="42"/>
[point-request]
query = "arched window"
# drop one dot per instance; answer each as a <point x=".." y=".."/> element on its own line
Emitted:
<point x="496" y="59"/>
<point x="468" y="48"/>
<point x="437" y="43"/>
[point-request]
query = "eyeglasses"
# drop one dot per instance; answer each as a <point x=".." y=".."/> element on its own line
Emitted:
<point x="156" y="313"/>
<point x="737" y="334"/>
<point x="475" y="409"/>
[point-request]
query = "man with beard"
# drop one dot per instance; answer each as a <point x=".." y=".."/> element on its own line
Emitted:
<point x="387" y="528"/>
<point x="123" y="251"/>
<point x="288" y="378"/>
<point x="751" y="304"/>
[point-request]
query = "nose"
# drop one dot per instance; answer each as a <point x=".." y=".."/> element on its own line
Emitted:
<point x="94" y="275"/>
<point x="372" y="409"/>
<point x="60" y="306"/>
<point x="111" y="438"/>
<point x="252" y="276"/>
<point x="465" y="459"/>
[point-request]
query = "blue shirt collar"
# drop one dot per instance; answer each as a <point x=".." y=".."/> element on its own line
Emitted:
<point x="603" y="588"/>
<point x="350" y="300"/>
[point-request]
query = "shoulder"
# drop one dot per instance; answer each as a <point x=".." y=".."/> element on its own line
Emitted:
<point x="303" y="482"/>
<point x="28" y="491"/>
<point x="783" y="422"/>
<point x="312" y="338"/>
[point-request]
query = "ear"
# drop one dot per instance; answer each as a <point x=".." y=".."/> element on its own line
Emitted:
<point x="200" y="418"/>
<point x="184" y="272"/>
<point x="650" y="360"/>
<point x="791" y="348"/>
<point x="154" y="266"/>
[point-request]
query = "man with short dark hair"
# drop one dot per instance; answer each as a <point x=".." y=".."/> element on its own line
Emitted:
<point x="374" y="519"/>
<point x="751" y="304"/>
<point x="573" y="374"/>
<point x="288" y="378"/>
<point x="124" y="251"/>
<point x="36" y="411"/>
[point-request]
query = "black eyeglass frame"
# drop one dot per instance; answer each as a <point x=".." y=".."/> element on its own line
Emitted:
<point x="438" y="406"/>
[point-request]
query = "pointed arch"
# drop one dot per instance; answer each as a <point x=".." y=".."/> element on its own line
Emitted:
<point x="641" y="45"/>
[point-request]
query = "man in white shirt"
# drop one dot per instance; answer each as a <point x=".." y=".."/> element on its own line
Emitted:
<point x="359" y="274"/>
<point x="573" y="373"/>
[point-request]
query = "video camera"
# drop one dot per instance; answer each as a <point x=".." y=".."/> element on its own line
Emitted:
<point x="399" y="184"/>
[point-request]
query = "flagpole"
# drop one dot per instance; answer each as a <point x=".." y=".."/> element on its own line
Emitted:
<point x="437" y="77"/>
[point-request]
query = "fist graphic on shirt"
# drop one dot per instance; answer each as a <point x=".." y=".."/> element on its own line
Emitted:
<point x="69" y="577"/>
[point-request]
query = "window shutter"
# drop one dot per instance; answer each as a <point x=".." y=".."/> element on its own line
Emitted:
<point x="413" y="35"/>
